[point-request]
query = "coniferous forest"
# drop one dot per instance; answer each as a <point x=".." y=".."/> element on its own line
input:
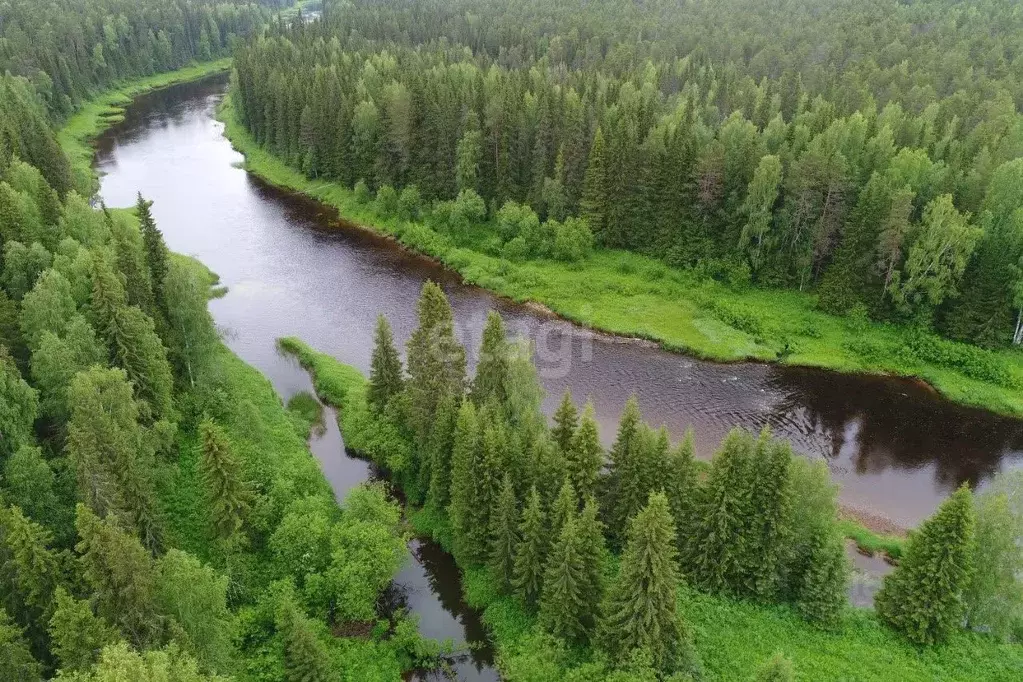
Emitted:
<point x="866" y="151"/>
<point x="161" y="516"/>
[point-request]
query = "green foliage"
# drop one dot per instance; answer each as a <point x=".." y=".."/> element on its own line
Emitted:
<point x="564" y="606"/>
<point x="119" y="663"/>
<point x="504" y="534"/>
<point x="533" y="547"/>
<point x="777" y="669"/>
<point x="76" y="633"/>
<point x="385" y="377"/>
<point x="28" y="483"/>
<point x="18" y="407"/>
<point x="490" y="382"/>
<point x="924" y="597"/>
<point x="191" y="337"/>
<point x="49" y="306"/>
<point x="228" y="496"/>
<point x="16" y="661"/>
<point x="305" y="658"/>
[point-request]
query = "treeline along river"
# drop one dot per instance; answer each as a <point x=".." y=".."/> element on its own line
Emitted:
<point x="295" y="268"/>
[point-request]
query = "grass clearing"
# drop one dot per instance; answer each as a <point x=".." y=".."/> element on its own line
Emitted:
<point x="637" y="296"/>
<point x="732" y="637"/>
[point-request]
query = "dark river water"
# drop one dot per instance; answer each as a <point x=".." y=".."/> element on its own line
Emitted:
<point x="293" y="268"/>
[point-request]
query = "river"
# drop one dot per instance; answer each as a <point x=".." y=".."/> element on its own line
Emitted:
<point x="294" y="268"/>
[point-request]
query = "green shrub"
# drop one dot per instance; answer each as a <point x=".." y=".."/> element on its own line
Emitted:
<point x="361" y="192"/>
<point x="387" y="201"/>
<point x="517" y="249"/>
<point x="410" y="203"/>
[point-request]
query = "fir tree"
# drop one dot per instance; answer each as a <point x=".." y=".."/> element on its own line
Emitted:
<point x="121" y="576"/>
<point x="157" y="256"/>
<point x="385" y="375"/>
<point x="823" y="586"/>
<point x="634" y="477"/>
<point x="718" y="551"/>
<point x="227" y="495"/>
<point x="466" y="456"/>
<point x="565" y="507"/>
<point x="681" y="486"/>
<point x="442" y="440"/>
<point x="486" y="488"/>
<point x="628" y="428"/>
<point x="593" y="203"/>
<point x="491" y="380"/>
<point x="531" y="554"/>
<point x="585" y="456"/>
<point x="591" y="551"/>
<point x="76" y="633"/>
<point x="305" y="658"/>
<point x="504" y="534"/>
<point x="566" y="420"/>
<point x="436" y="362"/>
<point x="639" y="611"/>
<point x="563" y="604"/>
<point x="770" y="497"/>
<point x="923" y="597"/>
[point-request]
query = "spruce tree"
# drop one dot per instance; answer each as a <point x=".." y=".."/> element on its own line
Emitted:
<point x="681" y="486"/>
<point x="590" y="535"/>
<point x="565" y="506"/>
<point x="770" y="498"/>
<point x="639" y="611"/>
<point x="718" y="554"/>
<point x="531" y="554"/>
<point x="305" y="658"/>
<point x="566" y="420"/>
<point x="227" y="495"/>
<point x="563" y="604"/>
<point x="76" y="633"/>
<point x="16" y="660"/>
<point x="436" y="361"/>
<point x="776" y="669"/>
<point x="121" y="576"/>
<point x="157" y="256"/>
<point x="585" y="456"/>
<point x="442" y="440"/>
<point x="923" y="597"/>
<point x="385" y="374"/>
<point x="29" y="569"/>
<point x="822" y="592"/>
<point x="466" y="456"/>
<point x="131" y="264"/>
<point x="491" y="380"/>
<point x="593" y="203"/>
<point x="618" y="461"/>
<point x="504" y="534"/>
<point x="486" y="487"/>
<point x="634" y="479"/>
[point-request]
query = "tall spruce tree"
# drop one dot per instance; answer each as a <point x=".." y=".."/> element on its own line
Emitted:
<point x="228" y="497"/>
<point x="305" y="658"/>
<point x="77" y="635"/>
<point x="16" y="660"/>
<point x="565" y="507"/>
<point x="157" y="256"/>
<point x="121" y="575"/>
<point x="466" y="456"/>
<point x="504" y="532"/>
<point x="923" y="597"/>
<point x="566" y="421"/>
<point x="640" y="610"/>
<point x="618" y="461"/>
<point x="563" y="604"/>
<point x="822" y="593"/>
<point x="491" y="380"/>
<point x="681" y="486"/>
<point x="436" y="361"/>
<point x="486" y="486"/>
<point x="590" y="534"/>
<point x="385" y="374"/>
<point x="770" y="498"/>
<point x="531" y="554"/>
<point x="442" y="440"/>
<point x="718" y="550"/>
<point x="585" y="456"/>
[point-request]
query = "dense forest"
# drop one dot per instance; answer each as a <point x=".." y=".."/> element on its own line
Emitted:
<point x="597" y="546"/>
<point x="150" y="482"/>
<point x="68" y="49"/>
<point x="865" y="151"/>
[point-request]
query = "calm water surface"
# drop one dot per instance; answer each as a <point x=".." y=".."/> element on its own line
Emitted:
<point x="293" y="268"/>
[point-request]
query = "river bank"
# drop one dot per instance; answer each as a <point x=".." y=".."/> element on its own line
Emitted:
<point x="637" y="296"/>
<point x="732" y="637"/>
<point x="107" y="109"/>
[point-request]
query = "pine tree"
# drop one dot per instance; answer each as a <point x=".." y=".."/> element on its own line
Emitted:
<point x="585" y="456"/>
<point x="566" y="420"/>
<point x="776" y="669"/>
<point x="923" y="597"/>
<point x="76" y="633"/>
<point x="490" y="382"/>
<point x="591" y="551"/>
<point x="157" y="255"/>
<point x="822" y="593"/>
<point x="563" y="605"/>
<point x="305" y="658"/>
<point x="121" y="576"/>
<point x="504" y="534"/>
<point x="639" y="611"/>
<point x="718" y="552"/>
<point x="565" y="507"/>
<point x="436" y="362"/>
<point x="227" y="495"/>
<point x="681" y="486"/>
<point x="531" y="554"/>
<point x="385" y="375"/>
